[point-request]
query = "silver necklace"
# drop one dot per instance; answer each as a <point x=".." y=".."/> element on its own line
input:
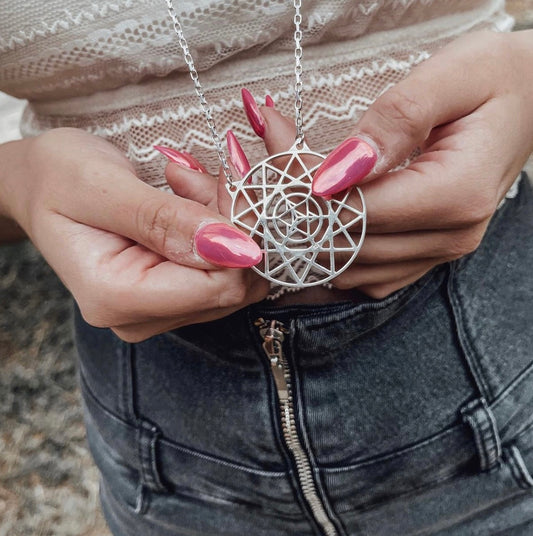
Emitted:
<point x="307" y="241"/>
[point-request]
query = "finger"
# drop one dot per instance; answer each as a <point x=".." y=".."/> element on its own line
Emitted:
<point x="137" y="332"/>
<point x="141" y="331"/>
<point x="181" y="230"/>
<point x="364" y="275"/>
<point x="397" y="247"/>
<point x="403" y="117"/>
<point x="456" y="183"/>
<point x="382" y="290"/>
<point x="193" y="185"/>
<point x="239" y="207"/>
<point x="280" y="131"/>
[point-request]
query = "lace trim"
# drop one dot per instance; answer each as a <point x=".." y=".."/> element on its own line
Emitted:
<point x="83" y="49"/>
<point x="24" y="37"/>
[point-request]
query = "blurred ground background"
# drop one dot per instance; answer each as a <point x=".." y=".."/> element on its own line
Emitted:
<point x="48" y="485"/>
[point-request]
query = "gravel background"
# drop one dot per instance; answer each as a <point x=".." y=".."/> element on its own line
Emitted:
<point x="48" y="485"/>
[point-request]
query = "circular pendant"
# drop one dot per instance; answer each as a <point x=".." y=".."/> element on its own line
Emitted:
<point x="307" y="240"/>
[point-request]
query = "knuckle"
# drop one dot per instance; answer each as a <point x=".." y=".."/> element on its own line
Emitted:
<point x="156" y="219"/>
<point x="343" y="282"/>
<point x="465" y="243"/>
<point x="399" y="110"/>
<point x="130" y="334"/>
<point x="96" y="303"/>
<point x="379" y="292"/>
<point x="476" y="207"/>
<point x="95" y="315"/>
<point x="233" y="294"/>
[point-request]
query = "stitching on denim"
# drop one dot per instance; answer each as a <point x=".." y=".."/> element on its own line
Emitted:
<point x="141" y="506"/>
<point x="176" y="446"/>
<point x="189" y="493"/>
<point x="126" y="377"/>
<point x="464" y="336"/>
<point x="526" y="429"/>
<point x="153" y="456"/>
<point x="487" y="438"/>
<point x="528" y="371"/>
<point x="518" y="467"/>
<point x="340" y="307"/>
<point x="479" y="443"/>
<point x="396" y="454"/>
<point x="409" y="293"/>
<point x="413" y="491"/>
<point x="148" y="435"/>
<point x="221" y="461"/>
<point x="496" y="450"/>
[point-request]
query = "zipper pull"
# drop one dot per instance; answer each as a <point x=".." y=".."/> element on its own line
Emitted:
<point x="273" y="334"/>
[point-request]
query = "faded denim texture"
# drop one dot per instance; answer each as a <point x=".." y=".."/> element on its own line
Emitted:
<point x="416" y="411"/>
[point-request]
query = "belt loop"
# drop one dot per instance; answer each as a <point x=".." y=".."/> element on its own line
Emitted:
<point x="148" y="435"/>
<point x="481" y="419"/>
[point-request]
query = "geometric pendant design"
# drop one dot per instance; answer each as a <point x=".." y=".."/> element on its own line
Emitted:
<point x="306" y="240"/>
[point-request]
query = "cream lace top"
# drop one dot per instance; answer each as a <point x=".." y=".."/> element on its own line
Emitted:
<point x="113" y="67"/>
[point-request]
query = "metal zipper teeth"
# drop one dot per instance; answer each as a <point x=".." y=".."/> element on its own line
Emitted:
<point x="272" y="334"/>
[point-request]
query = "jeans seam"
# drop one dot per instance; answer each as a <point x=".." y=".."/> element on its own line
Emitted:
<point x="213" y="459"/>
<point x="395" y="454"/>
<point x="413" y="491"/>
<point x="464" y="337"/>
<point x="481" y="419"/>
<point x="518" y="468"/>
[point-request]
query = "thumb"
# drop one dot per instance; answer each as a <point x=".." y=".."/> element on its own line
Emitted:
<point x="181" y="230"/>
<point x="446" y="87"/>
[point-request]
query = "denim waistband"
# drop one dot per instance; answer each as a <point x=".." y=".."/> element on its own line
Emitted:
<point x="510" y="410"/>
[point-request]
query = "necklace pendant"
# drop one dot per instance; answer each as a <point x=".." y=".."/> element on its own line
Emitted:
<point x="306" y="240"/>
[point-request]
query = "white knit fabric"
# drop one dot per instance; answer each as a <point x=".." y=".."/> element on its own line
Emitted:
<point x="115" y="69"/>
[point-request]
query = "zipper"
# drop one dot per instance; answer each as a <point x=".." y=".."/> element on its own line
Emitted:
<point x="273" y="334"/>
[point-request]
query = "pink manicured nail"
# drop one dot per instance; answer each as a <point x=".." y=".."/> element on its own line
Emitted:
<point x="252" y="113"/>
<point x="183" y="159"/>
<point x="237" y="156"/>
<point x="347" y="165"/>
<point x="224" y="245"/>
<point x="269" y="101"/>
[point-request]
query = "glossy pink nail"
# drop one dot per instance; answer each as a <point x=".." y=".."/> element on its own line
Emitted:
<point x="224" y="245"/>
<point x="269" y="101"/>
<point x="252" y="113"/>
<point x="236" y="155"/>
<point x="182" y="158"/>
<point x="347" y="165"/>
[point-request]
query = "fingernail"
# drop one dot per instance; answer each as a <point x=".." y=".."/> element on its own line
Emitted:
<point x="347" y="165"/>
<point x="252" y="113"/>
<point x="269" y="101"/>
<point x="224" y="245"/>
<point x="182" y="158"/>
<point x="236" y="155"/>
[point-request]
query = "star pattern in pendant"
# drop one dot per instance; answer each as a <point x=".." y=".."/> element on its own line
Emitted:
<point x="300" y="234"/>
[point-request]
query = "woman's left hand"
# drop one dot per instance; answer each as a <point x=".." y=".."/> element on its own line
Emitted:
<point x="469" y="109"/>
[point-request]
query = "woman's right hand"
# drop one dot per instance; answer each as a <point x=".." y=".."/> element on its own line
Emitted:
<point x="132" y="256"/>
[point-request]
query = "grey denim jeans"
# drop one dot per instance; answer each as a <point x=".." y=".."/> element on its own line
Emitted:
<point x="411" y="415"/>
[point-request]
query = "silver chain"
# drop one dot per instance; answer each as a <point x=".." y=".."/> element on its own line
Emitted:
<point x="199" y="91"/>
<point x="298" y="86"/>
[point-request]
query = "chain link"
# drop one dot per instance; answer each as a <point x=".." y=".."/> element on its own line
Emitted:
<point x="298" y="86"/>
<point x="199" y="91"/>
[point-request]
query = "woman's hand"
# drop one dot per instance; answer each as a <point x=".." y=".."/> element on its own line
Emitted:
<point x="137" y="260"/>
<point x="470" y="111"/>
